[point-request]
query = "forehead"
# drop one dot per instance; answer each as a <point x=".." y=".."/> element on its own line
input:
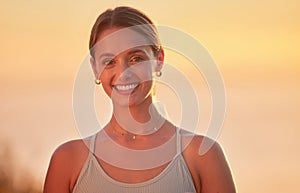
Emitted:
<point x="118" y="40"/>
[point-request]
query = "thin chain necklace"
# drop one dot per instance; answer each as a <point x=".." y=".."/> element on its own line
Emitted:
<point x="131" y="136"/>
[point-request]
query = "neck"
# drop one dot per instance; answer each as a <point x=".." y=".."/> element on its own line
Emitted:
<point x="141" y="119"/>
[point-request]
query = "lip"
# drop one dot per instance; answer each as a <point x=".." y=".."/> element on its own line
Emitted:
<point x="125" y="89"/>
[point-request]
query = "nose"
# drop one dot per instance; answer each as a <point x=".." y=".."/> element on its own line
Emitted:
<point x="124" y="71"/>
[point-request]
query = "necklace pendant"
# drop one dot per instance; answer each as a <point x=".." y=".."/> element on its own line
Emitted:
<point x="133" y="137"/>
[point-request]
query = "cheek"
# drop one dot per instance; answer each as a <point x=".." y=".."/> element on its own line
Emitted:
<point x="106" y="82"/>
<point x="99" y="68"/>
<point x="144" y="71"/>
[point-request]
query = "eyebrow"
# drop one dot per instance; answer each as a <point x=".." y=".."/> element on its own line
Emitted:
<point x="133" y="51"/>
<point x="106" y="55"/>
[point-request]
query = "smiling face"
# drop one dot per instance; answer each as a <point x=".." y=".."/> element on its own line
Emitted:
<point x="124" y="62"/>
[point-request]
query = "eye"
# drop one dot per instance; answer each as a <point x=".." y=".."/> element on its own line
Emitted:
<point x="136" y="59"/>
<point x="108" y="61"/>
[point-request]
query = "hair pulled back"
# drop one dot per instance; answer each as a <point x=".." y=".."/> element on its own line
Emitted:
<point x="125" y="17"/>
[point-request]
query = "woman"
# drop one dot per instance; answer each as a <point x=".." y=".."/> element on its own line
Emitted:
<point x="138" y="150"/>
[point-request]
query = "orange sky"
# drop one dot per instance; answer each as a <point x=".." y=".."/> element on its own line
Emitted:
<point x="256" y="46"/>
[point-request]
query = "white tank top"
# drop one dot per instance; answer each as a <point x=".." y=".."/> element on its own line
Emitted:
<point x="175" y="178"/>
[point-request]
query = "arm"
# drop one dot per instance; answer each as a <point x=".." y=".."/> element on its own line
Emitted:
<point x="58" y="178"/>
<point x="214" y="171"/>
<point x="64" y="168"/>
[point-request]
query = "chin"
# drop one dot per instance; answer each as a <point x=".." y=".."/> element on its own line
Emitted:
<point x="133" y="101"/>
<point x="126" y="103"/>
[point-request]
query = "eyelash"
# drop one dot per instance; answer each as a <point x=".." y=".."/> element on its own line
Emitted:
<point x="132" y="60"/>
<point x="107" y="62"/>
<point x="136" y="59"/>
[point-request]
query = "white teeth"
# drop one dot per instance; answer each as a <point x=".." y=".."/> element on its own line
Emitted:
<point x="126" y="87"/>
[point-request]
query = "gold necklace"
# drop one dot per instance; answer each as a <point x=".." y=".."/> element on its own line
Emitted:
<point x="133" y="137"/>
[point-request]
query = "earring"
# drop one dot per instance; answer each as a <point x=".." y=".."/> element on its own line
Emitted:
<point x="158" y="74"/>
<point x="97" y="81"/>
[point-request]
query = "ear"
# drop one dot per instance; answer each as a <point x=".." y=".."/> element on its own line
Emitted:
<point x="93" y="64"/>
<point x="160" y="60"/>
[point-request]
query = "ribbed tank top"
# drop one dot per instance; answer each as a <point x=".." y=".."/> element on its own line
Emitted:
<point x="175" y="178"/>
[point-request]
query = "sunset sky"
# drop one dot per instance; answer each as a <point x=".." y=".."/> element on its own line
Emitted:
<point x="255" y="45"/>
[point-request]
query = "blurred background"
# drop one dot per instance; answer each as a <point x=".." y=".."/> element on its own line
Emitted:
<point x="255" y="44"/>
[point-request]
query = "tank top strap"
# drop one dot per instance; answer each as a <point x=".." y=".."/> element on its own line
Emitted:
<point x="178" y="141"/>
<point x="92" y="143"/>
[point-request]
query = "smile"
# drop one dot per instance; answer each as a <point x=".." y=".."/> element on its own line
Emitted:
<point x="126" y="87"/>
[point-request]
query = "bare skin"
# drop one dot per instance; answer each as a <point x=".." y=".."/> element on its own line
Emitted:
<point x="210" y="172"/>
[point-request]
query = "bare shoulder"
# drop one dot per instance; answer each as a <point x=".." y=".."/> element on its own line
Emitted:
<point x="199" y="145"/>
<point x="207" y="163"/>
<point x="72" y="149"/>
<point x="65" y="166"/>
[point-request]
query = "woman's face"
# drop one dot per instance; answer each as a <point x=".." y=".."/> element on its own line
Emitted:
<point x="124" y="62"/>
